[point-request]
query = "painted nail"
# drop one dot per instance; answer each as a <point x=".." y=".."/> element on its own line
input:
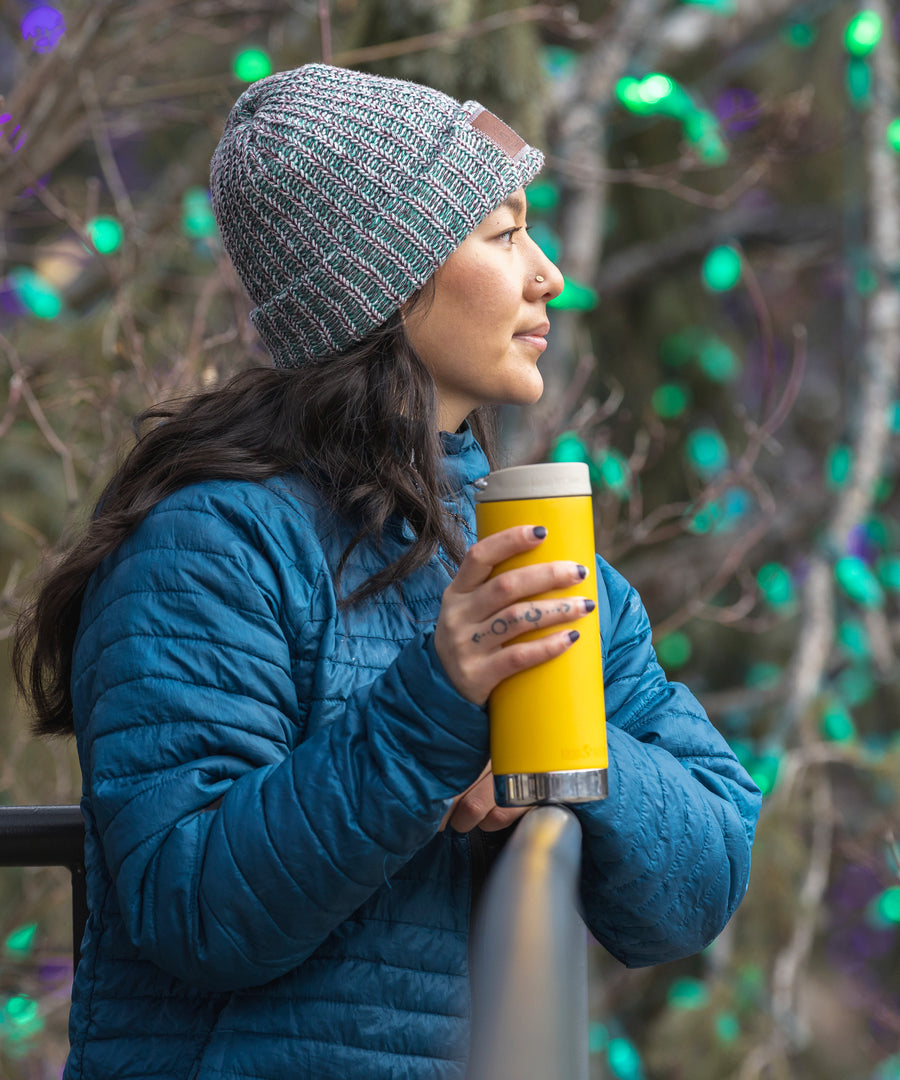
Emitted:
<point x="589" y="605"/>
<point x="574" y="635"/>
<point x="539" y="532"/>
<point x="582" y="571"/>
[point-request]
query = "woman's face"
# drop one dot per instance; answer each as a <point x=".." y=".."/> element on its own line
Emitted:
<point x="483" y="333"/>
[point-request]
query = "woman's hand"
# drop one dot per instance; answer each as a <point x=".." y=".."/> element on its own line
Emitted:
<point x="480" y="614"/>
<point x="476" y="807"/>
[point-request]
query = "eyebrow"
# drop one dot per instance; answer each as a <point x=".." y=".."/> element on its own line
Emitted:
<point x="514" y="202"/>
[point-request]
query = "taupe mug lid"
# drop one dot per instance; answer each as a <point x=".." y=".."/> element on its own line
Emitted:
<point x="544" y="481"/>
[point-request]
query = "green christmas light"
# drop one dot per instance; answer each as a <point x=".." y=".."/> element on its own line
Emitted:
<point x="655" y="88"/>
<point x="22" y="1009"/>
<point x="888" y="1068"/>
<point x="688" y="993"/>
<point x="543" y="195"/>
<point x="728" y="1028"/>
<point x="701" y="129"/>
<point x="764" y="772"/>
<point x="775" y="584"/>
<point x="546" y="239"/>
<point x="628" y="93"/>
<point x="575" y="297"/>
<point x="252" y="64"/>
<point x="721" y="7"/>
<point x="21" y="940"/>
<point x="837" y="724"/>
<point x="855" y="685"/>
<point x="613" y="472"/>
<point x="721" y="269"/>
<point x="674" y="650"/>
<point x="892" y="134"/>
<point x="838" y="466"/>
<point x="888" y="570"/>
<point x="598" y="1037"/>
<point x="863" y="33"/>
<point x="799" y="35"/>
<point x="106" y="234"/>
<point x="624" y="1060"/>
<point x="706" y="520"/>
<point x="718" y="361"/>
<point x="858" y="81"/>
<point x="894" y="417"/>
<point x="853" y="638"/>
<point x="36" y="294"/>
<point x="706" y="452"/>
<point x="888" y="905"/>
<point x="858" y="581"/>
<point x="569" y="447"/>
<point x="558" y="61"/>
<point x="197" y="219"/>
<point x="763" y="674"/>
<point x="680" y="348"/>
<point x="670" y="400"/>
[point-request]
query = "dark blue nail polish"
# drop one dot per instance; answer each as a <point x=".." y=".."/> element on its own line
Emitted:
<point x="582" y="571"/>
<point x="540" y="532"/>
<point x="589" y="605"/>
<point x="574" y="635"/>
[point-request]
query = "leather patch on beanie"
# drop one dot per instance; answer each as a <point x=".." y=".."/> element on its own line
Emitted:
<point x="498" y="132"/>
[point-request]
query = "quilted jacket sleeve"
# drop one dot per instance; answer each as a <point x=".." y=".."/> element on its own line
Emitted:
<point x="235" y="852"/>
<point x="667" y="854"/>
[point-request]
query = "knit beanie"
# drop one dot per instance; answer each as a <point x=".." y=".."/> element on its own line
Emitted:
<point x="338" y="194"/>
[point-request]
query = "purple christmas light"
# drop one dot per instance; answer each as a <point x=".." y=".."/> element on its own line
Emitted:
<point x="737" y="109"/>
<point x="43" y="26"/>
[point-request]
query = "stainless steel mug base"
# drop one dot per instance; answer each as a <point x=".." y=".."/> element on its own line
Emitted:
<point x="568" y="786"/>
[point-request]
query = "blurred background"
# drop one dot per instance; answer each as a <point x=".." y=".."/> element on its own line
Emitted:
<point x="721" y="193"/>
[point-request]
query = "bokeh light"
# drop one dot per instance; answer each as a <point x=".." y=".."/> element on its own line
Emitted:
<point x="624" y="1060"/>
<point x="721" y="269"/>
<point x="197" y="218"/>
<point x="775" y="584"/>
<point x="737" y="109"/>
<point x="706" y="452"/>
<point x="542" y="195"/>
<point x="688" y="993"/>
<point x="837" y="723"/>
<point x="863" y="33"/>
<point x="106" y="234"/>
<point x="858" y="582"/>
<point x="613" y="472"/>
<point x="36" y="294"/>
<point x="575" y="296"/>
<point x="252" y="64"/>
<point x="670" y="400"/>
<point x="674" y="650"/>
<point x="43" y="26"/>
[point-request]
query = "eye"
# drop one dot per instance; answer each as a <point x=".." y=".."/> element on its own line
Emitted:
<point x="508" y="234"/>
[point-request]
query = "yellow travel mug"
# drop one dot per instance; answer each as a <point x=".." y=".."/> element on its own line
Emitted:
<point x="548" y="724"/>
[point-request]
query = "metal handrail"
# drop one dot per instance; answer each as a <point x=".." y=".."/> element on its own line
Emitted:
<point x="49" y="836"/>
<point x="529" y="960"/>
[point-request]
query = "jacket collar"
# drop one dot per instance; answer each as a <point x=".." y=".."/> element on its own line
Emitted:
<point x="464" y="459"/>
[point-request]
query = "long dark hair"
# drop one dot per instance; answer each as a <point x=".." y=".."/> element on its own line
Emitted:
<point x="361" y="426"/>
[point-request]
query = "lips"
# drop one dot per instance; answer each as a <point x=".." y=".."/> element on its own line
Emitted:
<point x="534" y="336"/>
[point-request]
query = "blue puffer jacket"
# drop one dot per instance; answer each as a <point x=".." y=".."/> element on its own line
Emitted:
<point x="264" y="780"/>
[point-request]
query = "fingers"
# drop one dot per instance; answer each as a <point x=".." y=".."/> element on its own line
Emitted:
<point x="534" y="615"/>
<point x="476" y="807"/>
<point x="481" y="616"/>
<point x="526" y="581"/>
<point x="481" y="558"/>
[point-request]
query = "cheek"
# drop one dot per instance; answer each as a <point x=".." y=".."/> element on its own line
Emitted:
<point x="479" y="299"/>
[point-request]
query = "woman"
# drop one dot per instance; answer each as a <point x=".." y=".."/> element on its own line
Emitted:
<point x="278" y="684"/>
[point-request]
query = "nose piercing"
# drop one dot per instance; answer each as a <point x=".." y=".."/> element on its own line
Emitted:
<point x="539" y="278"/>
